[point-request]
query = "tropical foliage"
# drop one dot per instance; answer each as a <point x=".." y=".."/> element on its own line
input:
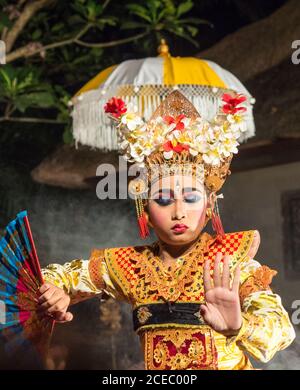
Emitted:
<point x="53" y="47"/>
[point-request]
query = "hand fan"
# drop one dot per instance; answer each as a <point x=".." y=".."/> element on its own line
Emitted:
<point x="23" y="330"/>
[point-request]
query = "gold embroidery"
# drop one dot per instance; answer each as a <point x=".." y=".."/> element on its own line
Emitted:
<point x="195" y="350"/>
<point x="95" y="268"/>
<point x="180" y="349"/>
<point x="133" y="269"/>
<point x="161" y="355"/>
<point x="143" y="314"/>
<point x="168" y="283"/>
<point x="179" y="362"/>
<point x="172" y="325"/>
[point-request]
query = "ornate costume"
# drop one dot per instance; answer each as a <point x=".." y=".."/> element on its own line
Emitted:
<point x="166" y="300"/>
<point x="174" y="337"/>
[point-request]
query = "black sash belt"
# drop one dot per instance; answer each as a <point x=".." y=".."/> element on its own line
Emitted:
<point x="167" y="313"/>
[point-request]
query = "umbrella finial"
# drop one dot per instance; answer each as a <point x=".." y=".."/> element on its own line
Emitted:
<point x="163" y="49"/>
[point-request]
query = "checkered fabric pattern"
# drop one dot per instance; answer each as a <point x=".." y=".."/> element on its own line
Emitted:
<point x="126" y="257"/>
<point x="230" y="244"/>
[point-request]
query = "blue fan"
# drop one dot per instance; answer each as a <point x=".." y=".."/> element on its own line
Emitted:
<point x="22" y="327"/>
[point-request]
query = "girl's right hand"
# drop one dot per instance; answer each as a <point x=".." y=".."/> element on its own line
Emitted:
<point x="54" y="302"/>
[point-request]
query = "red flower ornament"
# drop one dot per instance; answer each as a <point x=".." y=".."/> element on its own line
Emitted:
<point x="178" y="148"/>
<point x="116" y="107"/>
<point x="232" y="103"/>
<point x="179" y="125"/>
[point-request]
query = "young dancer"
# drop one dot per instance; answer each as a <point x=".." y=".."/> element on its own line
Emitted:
<point x="199" y="301"/>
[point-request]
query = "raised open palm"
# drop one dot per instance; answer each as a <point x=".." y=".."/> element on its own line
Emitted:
<point x="222" y="309"/>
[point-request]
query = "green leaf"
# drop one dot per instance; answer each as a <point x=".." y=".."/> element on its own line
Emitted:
<point x="185" y="7"/>
<point x="5" y="77"/>
<point x="58" y="26"/>
<point x="74" y="19"/>
<point x="140" y="11"/>
<point x="110" y="21"/>
<point x="4" y="21"/>
<point x="161" y="15"/>
<point x="98" y="10"/>
<point x="81" y="60"/>
<point x="81" y="9"/>
<point x="154" y="6"/>
<point x="35" y="99"/>
<point x="9" y="70"/>
<point x="65" y="53"/>
<point x="170" y="7"/>
<point x="195" y="21"/>
<point x="36" y="34"/>
<point x="193" y="30"/>
<point x="184" y="36"/>
<point x="97" y="51"/>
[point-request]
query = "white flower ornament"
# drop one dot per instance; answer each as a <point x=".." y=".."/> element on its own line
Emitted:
<point x="215" y="140"/>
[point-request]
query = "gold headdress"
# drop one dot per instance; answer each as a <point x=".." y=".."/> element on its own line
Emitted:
<point x="177" y="138"/>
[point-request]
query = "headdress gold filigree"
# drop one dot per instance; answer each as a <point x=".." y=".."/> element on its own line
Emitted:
<point x="176" y="105"/>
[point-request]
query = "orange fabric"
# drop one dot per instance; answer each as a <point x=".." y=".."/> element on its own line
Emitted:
<point x="259" y="281"/>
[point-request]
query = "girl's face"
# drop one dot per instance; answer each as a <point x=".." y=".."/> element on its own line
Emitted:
<point x="177" y="209"/>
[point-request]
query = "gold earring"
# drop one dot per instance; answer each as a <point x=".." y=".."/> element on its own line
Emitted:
<point x="137" y="187"/>
<point x="208" y="212"/>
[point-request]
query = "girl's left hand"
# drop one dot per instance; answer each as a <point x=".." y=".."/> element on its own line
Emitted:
<point x="222" y="309"/>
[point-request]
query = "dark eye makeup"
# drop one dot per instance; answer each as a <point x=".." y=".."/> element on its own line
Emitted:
<point x="188" y="198"/>
<point x="163" y="201"/>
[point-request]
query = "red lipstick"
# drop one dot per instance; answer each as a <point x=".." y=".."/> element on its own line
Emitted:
<point x="179" y="228"/>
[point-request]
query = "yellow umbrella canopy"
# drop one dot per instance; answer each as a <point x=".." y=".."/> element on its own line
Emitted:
<point x="145" y="83"/>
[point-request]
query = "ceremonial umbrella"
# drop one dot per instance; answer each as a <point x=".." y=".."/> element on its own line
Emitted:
<point x="145" y="83"/>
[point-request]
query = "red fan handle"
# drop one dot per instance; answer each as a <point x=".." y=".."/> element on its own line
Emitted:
<point x="34" y="255"/>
